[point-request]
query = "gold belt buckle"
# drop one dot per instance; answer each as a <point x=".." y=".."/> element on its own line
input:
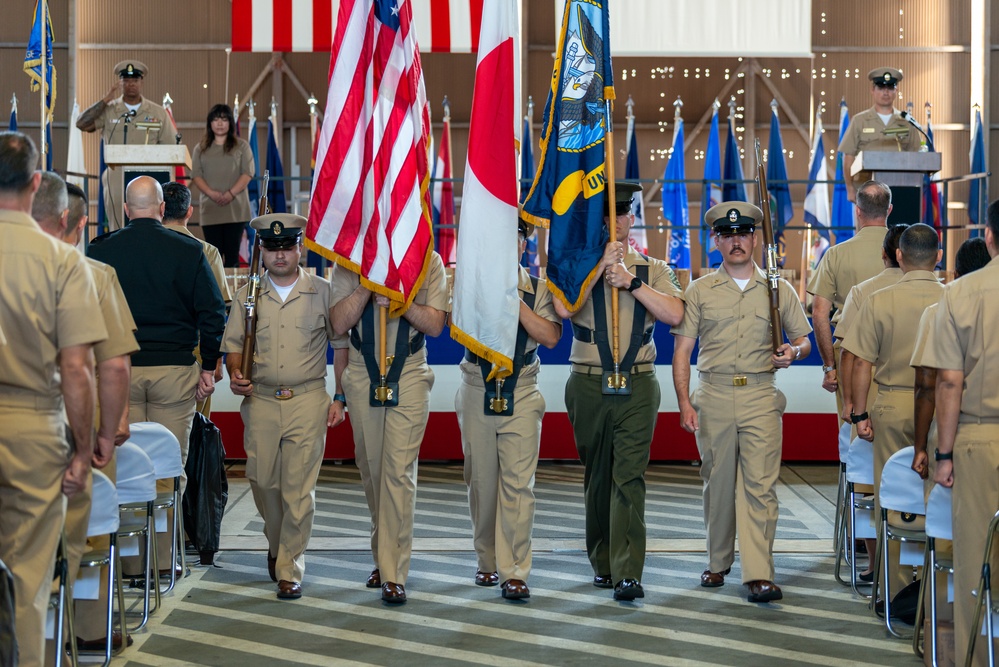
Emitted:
<point x="740" y="381"/>
<point x="283" y="394"/>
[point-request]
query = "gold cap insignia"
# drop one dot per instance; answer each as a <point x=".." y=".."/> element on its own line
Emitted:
<point x="130" y="69"/>
<point x="733" y="215"/>
<point x="276" y="228"/>
<point x="887" y="76"/>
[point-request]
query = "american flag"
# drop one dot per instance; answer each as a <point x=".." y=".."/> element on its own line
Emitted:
<point x="370" y="208"/>
<point x="448" y="26"/>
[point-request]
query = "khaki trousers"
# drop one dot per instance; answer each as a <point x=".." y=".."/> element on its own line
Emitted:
<point x="501" y="457"/>
<point x="893" y="420"/>
<point x="284" y="443"/>
<point x="386" y="447"/>
<point x="33" y="459"/>
<point x="740" y="441"/>
<point x="613" y="436"/>
<point x="165" y="395"/>
<point x="975" y="501"/>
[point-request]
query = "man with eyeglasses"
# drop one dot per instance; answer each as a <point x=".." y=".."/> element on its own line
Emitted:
<point x="880" y="128"/>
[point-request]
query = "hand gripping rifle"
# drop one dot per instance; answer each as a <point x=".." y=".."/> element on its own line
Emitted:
<point x="769" y="254"/>
<point x="252" y="289"/>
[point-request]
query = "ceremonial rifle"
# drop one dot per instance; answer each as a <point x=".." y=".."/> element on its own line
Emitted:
<point x="769" y="254"/>
<point x="252" y="289"/>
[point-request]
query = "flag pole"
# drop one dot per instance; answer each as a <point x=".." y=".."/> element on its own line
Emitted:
<point x="617" y="379"/>
<point x="43" y="70"/>
<point x="228" y="52"/>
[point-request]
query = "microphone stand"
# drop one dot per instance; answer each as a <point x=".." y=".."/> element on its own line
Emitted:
<point x="912" y="121"/>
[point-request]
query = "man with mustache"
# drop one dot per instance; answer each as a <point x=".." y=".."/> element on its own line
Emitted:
<point x="286" y="409"/>
<point x="735" y="411"/>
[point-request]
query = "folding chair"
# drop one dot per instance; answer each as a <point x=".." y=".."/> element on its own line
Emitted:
<point x="61" y="605"/>
<point x="901" y="490"/>
<point x="136" y="494"/>
<point x="105" y="520"/>
<point x="859" y="470"/>
<point x="8" y="641"/>
<point x="840" y="524"/>
<point x="985" y="600"/>
<point x="939" y="526"/>
<point x="163" y="449"/>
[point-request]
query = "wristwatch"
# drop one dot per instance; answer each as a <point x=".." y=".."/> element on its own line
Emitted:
<point x="826" y="369"/>
<point x="340" y="397"/>
<point x="856" y="419"/>
<point x="940" y="456"/>
<point x="635" y="284"/>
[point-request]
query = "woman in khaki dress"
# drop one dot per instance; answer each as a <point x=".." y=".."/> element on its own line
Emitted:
<point x="223" y="167"/>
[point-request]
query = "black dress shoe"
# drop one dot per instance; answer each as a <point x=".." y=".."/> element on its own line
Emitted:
<point x="271" y="564"/>
<point x="866" y="578"/>
<point x="374" y="579"/>
<point x="101" y="644"/>
<point x="486" y="578"/>
<point x="516" y="589"/>
<point x="762" y="590"/>
<point x="628" y="589"/>
<point x="603" y="581"/>
<point x="393" y="593"/>
<point x="711" y="579"/>
<point x="289" y="590"/>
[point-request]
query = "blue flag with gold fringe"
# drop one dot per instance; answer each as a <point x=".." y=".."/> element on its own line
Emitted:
<point x="568" y="192"/>
<point x="34" y="58"/>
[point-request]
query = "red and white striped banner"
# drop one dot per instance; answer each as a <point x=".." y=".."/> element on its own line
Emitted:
<point x="443" y="26"/>
<point x="370" y="208"/>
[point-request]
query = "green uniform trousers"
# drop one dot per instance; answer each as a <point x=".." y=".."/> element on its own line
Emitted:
<point x="613" y="436"/>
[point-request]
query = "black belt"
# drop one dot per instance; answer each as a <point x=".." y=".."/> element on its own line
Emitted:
<point x="529" y="358"/>
<point x="584" y="335"/>
<point x="416" y="343"/>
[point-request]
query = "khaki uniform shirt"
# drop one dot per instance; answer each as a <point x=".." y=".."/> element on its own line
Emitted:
<point x="117" y="317"/>
<point x="859" y="295"/>
<point x="47" y="303"/>
<point x="847" y="264"/>
<point x="112" y="126"/>
<point x="661" y="278"/>
<point x="221" y="170"/>
<point x="885" y="332"/>
<point x="967" y="339"/>
<point x="433" y="293"/>
<point x="924" y="337"/>
<point x="733" y="325"/>
<point x="214" y="260"/>
<point x="543" y="307"/>
<point x="866" y="133"/>
<point x="292" y="336"/>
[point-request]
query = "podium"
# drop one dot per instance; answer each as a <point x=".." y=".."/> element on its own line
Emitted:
<point x="129" y="161"/>
<point x="904" y="173"/>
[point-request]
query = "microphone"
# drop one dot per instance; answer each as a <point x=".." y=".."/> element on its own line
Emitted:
<point x="128" y="116"/>
<point x="177" y="138"/>
<point x="912" y="121"/>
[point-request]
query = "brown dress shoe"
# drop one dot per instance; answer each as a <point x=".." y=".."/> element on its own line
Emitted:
<point x="603" y="581"/>
<point x="374" y="579"/>
<point x="762" y="590"/>
<point x="486" y="578"/>
<point x="101" y="644"/>
<point x="711" y="579"/>
<point x="515" y="589"/>
<point x="271" y="564"/>
<point x="289" y="590"/>
<point x="393" y="593"/>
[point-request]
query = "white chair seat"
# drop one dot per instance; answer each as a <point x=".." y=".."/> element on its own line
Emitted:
<point x="860" y="462"/>
<point x="844" y="441"/>
<point x="901" y="486"/>
<point x="161" y="445"/>
<point x="939" y="520"/>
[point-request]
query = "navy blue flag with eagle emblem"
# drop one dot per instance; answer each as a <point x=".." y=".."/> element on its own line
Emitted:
<point x="568" y="192"/>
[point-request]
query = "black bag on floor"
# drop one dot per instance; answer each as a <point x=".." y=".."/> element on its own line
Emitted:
<point x="207" y="488"/>
<point x="903" y="605"/>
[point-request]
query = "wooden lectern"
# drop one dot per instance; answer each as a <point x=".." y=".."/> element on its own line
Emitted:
<point x="904" y="173"/>
<point x="128" y="161"/>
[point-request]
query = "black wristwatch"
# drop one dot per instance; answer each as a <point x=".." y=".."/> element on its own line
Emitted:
<point x="635" y="284"/>
<point x="941" y="456"/>
<point x="856" y="419"/>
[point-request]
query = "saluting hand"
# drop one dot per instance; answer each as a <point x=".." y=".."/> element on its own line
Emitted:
<point x="239" y="385"/>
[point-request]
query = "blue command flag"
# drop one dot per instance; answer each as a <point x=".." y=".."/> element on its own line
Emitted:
<point x="38" y="64"/>
<point x="275" y="188"/>
<point x="12" y="125"/>
<point x="530" y="257"/>
<point x="711" y="192"/>
<point x="817" y="195"/>
<point x="568" y="192"/>
<point x="842" y="208"/>
<point x="734" y="189"/>
<point x="675" y="211"/>
<point x="977" y="193"/>
<point x="780" y="194"/>
<point x="253" y="187"/>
